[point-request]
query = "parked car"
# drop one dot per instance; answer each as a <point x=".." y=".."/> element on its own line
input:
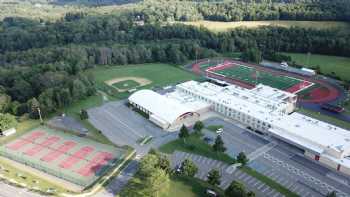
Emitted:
<point x="220" y="130"/>
<point x="210" y="193"/>
<point x="207" y="139"/>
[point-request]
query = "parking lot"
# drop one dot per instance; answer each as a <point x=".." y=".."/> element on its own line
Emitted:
<point x="271" y="157"/>
<point x="123" y="126"/>
<point x="280" y="161"/>
<point x="228" y="173"/>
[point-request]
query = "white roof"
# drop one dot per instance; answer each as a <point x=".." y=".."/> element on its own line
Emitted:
<point x="256" y="102"/>
<point x="264" y="105"/>
<point x="314" y="133"/>
<point x="159" y="105"/>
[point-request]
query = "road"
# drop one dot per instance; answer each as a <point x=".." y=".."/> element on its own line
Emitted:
<point x="12" y="191"/>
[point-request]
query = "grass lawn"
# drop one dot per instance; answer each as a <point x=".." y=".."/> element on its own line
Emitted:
<point x="328" y="64"/>
<point x="159" y="74"/>
<point x="194" y="144"/>
<point x="269" y="182"/>
<point x="21" y="128"/>
<point x="74" y="111"/>
<point x="29" y="180"/>
<point x="189" y="187"/>
<point x="225" y="26"/>
<point x="214" y="128"/>
<point x="335" y="121"/>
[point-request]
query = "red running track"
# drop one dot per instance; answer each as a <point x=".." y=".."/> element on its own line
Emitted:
<point x="39" y="147"/>
<point x="298" y="86"/>
<point x="95" y="164"/>
<point x="24" y="141"/>
<point x="76" y="157"/>
<point x="316" y="98"/>
<point x="60" y="151"/>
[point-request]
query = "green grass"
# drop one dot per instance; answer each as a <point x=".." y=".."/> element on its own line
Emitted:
<point x="225" y="26"/>
<point x="30" y="180"/>
<point x="74" y="111"/>
<point x="214" y="128"/>
<point x="21" y="128"/>
<point x="329" y="119"/>
<point x="126" y="85"/>
<point x="194" y="144"/>
<point x="188" y="187"/>
<point x="328" y="64"/>
<point x="273" y="184"/>
<point x="247" y="75"/>
<point x="159" y="74"/>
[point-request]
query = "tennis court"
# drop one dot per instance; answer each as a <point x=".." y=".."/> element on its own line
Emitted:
<point x="78" y="160"/>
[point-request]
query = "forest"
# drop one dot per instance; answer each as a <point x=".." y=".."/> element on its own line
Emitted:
<point x="43" y="62"/>
<point x="241" y="10"/>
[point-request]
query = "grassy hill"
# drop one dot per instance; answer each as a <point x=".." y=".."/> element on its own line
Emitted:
<point x="328" y="64"/>
<point x="224" y="26"/>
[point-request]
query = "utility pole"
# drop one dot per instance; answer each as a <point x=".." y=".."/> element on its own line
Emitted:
<point x="41" y="119"/>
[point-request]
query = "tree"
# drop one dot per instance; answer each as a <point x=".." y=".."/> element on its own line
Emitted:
<point x="332" y="194"/>
<point x="84" y="114"/>
<point x="236" y="189"/>
<point x="33" y="106"/>
<point x="7" y="121"/>
<point x="218" y="146"/>
<point x="184" y="133"/>
<point x="250" y="194"/>
<point x="214" y="177"/>
<point x="252" y="55"/>
<point x="150" y="180"/>
<point x="188" y="168"/>
<point x="198" y="126"/>
<point x="242" y="158"/>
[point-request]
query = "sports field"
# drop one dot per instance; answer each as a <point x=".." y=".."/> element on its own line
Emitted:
<point x="252" y="76"/>
<point x="127" y="84"/>
<point x="77" y="160"/>
<point x="158" y="75"/>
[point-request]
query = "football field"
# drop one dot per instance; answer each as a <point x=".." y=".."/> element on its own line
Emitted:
<point x="252" y="76"/>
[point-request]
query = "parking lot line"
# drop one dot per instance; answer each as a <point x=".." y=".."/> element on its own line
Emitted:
<point x="247" y="178"/>
<point x="261" y="186"/>
<point x="242" y="176"/>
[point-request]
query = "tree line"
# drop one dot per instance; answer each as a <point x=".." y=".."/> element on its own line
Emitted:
<point x="46" y="62"/>
<point x="239" y="10"/>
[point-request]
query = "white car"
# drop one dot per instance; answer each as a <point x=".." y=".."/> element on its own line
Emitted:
<point x="219" y="130"/>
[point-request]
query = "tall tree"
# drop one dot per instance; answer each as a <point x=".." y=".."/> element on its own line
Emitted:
<point x="332" y="194"/>
<point x="198" y="126"/>
<point x="219" y="146"/>
<point x="184" y="133"/>
<point x="214" y="177"/>
<point x="236" y="189"/>
<point x="7" y="121"/>
<point x="188" y="168"/>
<point x="242" y="158"/>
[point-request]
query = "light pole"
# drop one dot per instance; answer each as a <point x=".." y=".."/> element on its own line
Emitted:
<point x="41" y="119"/>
